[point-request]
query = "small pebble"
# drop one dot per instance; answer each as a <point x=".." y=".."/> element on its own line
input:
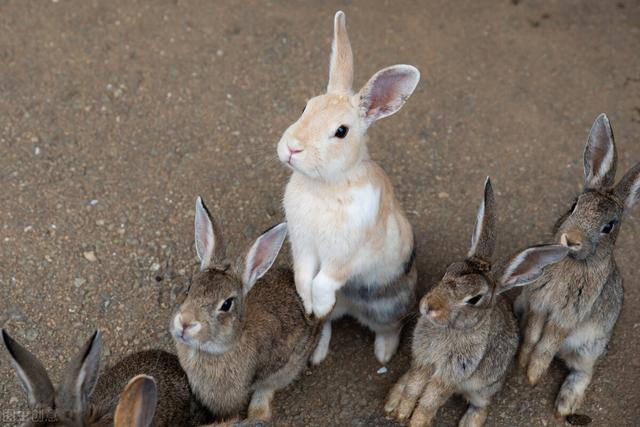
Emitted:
<point x="90" y="256"/>
<point x="382" y="370"/>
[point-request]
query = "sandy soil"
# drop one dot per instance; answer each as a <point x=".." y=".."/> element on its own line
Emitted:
<point x="115" y="114"/>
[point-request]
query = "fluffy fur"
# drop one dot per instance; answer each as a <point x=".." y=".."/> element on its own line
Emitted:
<point x="236" y="342"/>
<point x="571" y="310"/>
<point x="352" y="244"/>
<point x="467" y="336"/>
<point x="86" y="399"/>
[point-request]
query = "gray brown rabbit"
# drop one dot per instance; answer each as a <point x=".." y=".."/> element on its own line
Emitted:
<point x="238" y="342"/>
<point x="571" y="310"/>
<point x="85" y="399"/>
<point x="467" y="336"/>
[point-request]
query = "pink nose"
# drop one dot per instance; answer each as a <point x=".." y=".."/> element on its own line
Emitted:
<point x="293" y="151"/>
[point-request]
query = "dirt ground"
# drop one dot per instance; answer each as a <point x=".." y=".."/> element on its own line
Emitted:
<point x="115" y="115"/>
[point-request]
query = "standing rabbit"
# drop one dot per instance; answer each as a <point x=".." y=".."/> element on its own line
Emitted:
<point x="86" y="399"/>
<point x="353" y="247"/>
<point x="570" y="311"/>
<point x="467" y="336"/>
<point x="237" y="342"/>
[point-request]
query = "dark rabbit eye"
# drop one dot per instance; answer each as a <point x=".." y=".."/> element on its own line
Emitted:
<point x="474" y="300"/>
<point x="573" y="206"/>
<point x="341" y="132"/>
<point x="607" y="228"/>
<point x="227" y="304"/>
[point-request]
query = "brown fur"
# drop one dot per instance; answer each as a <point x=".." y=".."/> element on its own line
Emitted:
<point x="176" y="405"/>
<point x="570" y="311"/>
<point x="256" y="347"/>
<point x="467" y="336"/>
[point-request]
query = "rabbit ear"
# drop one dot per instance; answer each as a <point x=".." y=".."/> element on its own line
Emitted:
<point x="628" y="189"/>
<point x="387" y="91"/>
<point x="32" y="375"/>
<point x="81" y="376"/>
<point x="137" y="404"/>
<point x="600" y="157"/>
<point x="483" y="240"/>
<point x="341" y="64"/>
<point x="529" y="265"/>
<point x="209" y="244"/>
<point x="262" y="255"/>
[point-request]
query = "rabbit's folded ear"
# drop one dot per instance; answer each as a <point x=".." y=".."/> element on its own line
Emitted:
<point x="262" y="254"/>
<point x="483" y="240"/>
<point x="32" y="375"/>
<point x="600" y="157"/>
<point x="387" y="91"/>
<point x="81" y="376"/>
<point x="137" y="404"/>
<point x="529" y="265"/>
<point x="209" y="244"/>
<point x="628" y="189"/>
<point x="341" y="64"/>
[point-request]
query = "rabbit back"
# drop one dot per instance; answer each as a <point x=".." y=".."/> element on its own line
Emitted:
<point x="175" y="403"/>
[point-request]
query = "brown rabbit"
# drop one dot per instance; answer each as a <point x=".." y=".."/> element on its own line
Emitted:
<point x="86" y="399"/>
<point x="467" y="336"/>
<point x="237" y="342"/>
<point x="571" y="310"/>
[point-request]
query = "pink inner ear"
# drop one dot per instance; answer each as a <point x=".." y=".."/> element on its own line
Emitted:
<point x="388" y="92"/>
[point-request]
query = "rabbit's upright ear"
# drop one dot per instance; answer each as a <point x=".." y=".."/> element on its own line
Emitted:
<point x="341" y="64"/>
<point x="209" y="244"/>
<point x="387" y="91"/>
<point x="600" y="157"/>
<point x="628" y="189"/>
<point x="137" y="404"/>
<point x="483" y="241"/>
<point x="529" y="265"/>
<point x="80" y="377"/>
<point x="262" y="254"/>
<point x="32" y="375"/>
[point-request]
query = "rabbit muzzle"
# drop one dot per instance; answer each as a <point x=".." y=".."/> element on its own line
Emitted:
<point x="434" y="310"/>
<point x="185" y="327"/>
<point x="578" y="243"/>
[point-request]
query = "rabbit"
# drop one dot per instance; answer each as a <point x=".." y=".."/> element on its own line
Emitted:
<point x="352" y="245"/>
<point x="571" y="310"/>
<point x="467" y="336"/>
<point x="137" y="404"/>
<point x="86" y="399"/>
<point x="237" y="342"/>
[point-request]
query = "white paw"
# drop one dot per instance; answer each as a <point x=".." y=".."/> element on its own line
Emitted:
<point x="322" y="349"/>
<point x="386" y="345"/>
<point x="323" y="303"/>
<point x="323" y="294"/>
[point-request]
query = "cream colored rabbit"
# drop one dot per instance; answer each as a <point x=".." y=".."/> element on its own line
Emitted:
<point x="352" y="245"/>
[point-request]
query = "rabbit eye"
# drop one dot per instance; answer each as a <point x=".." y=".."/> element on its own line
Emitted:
<point x="474" y="300"/>
<point x="227" y="304"/>
<point x="341" y="132"/>
<point x="609" y="227"/>
<point x="573" y="206"/>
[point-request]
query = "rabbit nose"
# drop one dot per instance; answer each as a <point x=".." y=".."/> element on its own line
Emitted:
<point x="186" y="325"/>
<point x="293" y="151"/>
<point x="571" y="240"/>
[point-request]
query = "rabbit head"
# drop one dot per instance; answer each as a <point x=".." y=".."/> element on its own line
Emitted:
<point x="468" y="289"/>
<point x="328" y="140"/>
<point x="213" y="313"/>
<point x="68" y="405"/>
<point x="591" y="225"/>
<point x="137" y="404"/>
